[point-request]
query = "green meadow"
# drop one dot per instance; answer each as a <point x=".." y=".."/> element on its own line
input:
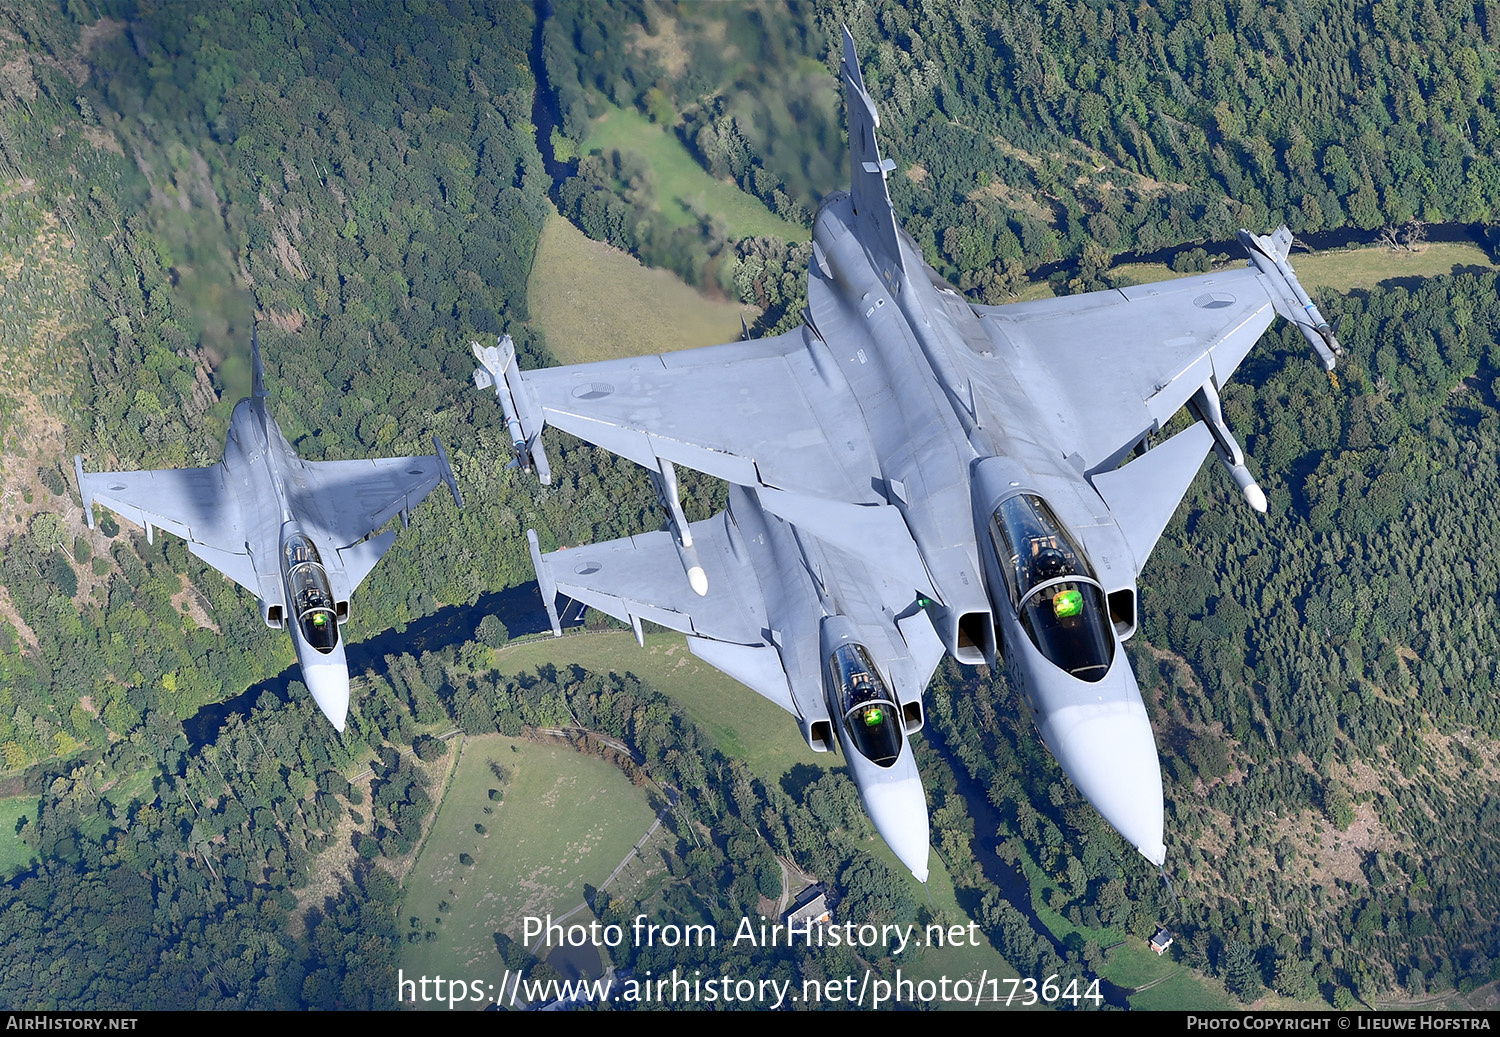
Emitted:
<point x="1346" y="269"/>
<point x="15" y="855"/>
<point x="1182" y="991"/>
<point x="595" y="302"/>
<point x="684" y="190"/>
<point x="1335" y="270"/>
<point x="558" y="820"/>
<point x="744" y="725"/>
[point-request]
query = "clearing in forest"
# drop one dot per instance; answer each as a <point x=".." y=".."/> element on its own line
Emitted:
<point x="684" y="189"/>
<point x="596" y="302"/>
<point x="560" y="820"/>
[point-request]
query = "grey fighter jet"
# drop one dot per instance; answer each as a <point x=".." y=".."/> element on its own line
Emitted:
<point x="1004" y="465"/>
<point x="839" y="644"/>
<point x="296" y="534"/>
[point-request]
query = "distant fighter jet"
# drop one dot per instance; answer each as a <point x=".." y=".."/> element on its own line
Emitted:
<point x="296" y="534"/>
<point x="926" y="457"/>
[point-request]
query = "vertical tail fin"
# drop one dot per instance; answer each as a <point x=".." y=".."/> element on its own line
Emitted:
<point x="259" y="385"/>
<point x="867" y="170"/>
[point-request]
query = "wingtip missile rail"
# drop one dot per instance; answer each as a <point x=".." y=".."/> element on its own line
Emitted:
<point x="1269" y="254"/>
<point x="544" y="581"/>
<point x="497" y="368"/>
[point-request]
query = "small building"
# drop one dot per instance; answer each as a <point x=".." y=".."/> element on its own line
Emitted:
<point x="1161" y="941"/>
<point x="811" y="905"/>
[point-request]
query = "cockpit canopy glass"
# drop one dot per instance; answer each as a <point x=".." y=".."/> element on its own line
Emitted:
<point x="311" y="597"/>
<point x="871" y="717"/>
<point x="1060" y="604"/>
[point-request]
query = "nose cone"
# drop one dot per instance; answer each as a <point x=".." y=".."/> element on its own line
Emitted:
<point x="326" y="675"/>
<point x="328" y="680"/>
<point x="1109" y="751"/>
<point x="895" y="801"/>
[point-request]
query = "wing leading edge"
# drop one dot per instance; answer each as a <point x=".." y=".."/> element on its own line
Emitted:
<point x="1118" y="364"/>
<point x="194" y="503"/>
<point x="765" y="412"/>
<point x="641" y="578"/>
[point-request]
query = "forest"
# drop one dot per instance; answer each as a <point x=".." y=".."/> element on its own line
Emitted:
<point x="370" y="189"/>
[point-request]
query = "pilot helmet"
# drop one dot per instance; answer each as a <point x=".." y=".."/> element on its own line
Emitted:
<point x="1051" y="562"/>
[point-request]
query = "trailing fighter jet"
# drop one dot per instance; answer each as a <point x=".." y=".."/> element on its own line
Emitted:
<point x="296" y="534"/>
<point x="969" y="455"/>
<point x="836" y="642"/>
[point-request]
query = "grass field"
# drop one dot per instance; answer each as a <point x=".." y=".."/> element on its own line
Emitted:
<point x="1338" y="270"/>
<point x="684" y="189"/>
<point x="1133" y="964"/>
<point x="1348" y="269"/>
<point x="1184" y="991"/>
<point x="1342" y="270"/>
<point x="595" y="302"/>
<point x="15" y="855"/>
<point x="565" y="819"/>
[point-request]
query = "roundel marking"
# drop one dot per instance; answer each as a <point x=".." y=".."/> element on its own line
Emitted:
<point x="593" y="391"/>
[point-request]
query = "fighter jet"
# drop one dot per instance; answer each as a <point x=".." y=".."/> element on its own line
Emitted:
<point x="1007" y="465"/>
<point x="838" y="644"/>
<point x="296" y="534"/>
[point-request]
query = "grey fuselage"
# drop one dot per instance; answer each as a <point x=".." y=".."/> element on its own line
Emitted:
<point x="826" y="602"/>
<point x="911" y="350"/>
<point x="264" y="473"/>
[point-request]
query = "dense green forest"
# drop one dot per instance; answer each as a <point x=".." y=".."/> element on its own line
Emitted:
<point x="373" y="231"/>
<point x="1033" y="131"/>
<point x="377" y="233"/>
<point x="369" y="187"/>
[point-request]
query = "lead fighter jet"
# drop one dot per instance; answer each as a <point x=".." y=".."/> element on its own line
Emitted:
<point x="295" y="533"/>
<point x="963" y="461"/>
